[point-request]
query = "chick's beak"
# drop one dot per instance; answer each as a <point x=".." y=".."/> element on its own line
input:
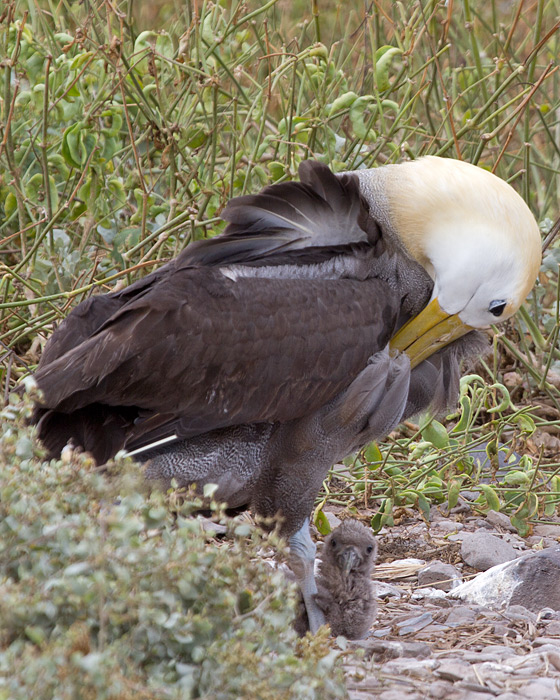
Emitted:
<point x="348" y="559"/>
<point x="428" y="332"/>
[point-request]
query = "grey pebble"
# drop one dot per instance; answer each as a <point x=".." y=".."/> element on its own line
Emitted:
<point x="334" y="521"/>
<point x="439" y="575"/>
<point x="500" y="520"/>
<point x="541" y="689"/>
<point x="541" y="641"/>
<point x="414" y="624"/>
<point x="440" y="690"/>
<point x="482" y="551"/>
<point x="454" y="671"/>
<point x="547" y="531"/>
<point x="461" y="615"/>
<point x="495" y="652"/>
<point x="447" y="526"/>
<point x="387" y="590"/>
<point x="384" y="650"/>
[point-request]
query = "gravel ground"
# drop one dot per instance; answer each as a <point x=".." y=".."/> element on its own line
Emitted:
<point x="425" y="644"/>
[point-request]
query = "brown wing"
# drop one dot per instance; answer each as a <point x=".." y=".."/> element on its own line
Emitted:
<point x="214" y="352"/>
<point x="188" y="350"/>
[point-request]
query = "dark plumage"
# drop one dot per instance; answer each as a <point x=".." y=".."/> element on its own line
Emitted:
<point x="345" y="591"/>
<point x="264" y="354"/>
<point x="346" y="594"/>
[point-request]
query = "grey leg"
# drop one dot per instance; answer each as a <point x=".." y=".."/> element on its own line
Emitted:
<point x="302" y="561"/>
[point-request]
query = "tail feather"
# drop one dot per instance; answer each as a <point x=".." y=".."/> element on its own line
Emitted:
<point x="98" y="429"/>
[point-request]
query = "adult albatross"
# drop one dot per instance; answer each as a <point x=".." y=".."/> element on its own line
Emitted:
<point x="328" y="311"/>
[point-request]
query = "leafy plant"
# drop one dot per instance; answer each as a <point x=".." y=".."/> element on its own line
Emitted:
<point x="126" y="127"/>
<point x="108" y="592"/>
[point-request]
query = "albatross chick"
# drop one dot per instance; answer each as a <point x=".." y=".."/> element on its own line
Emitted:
<point x="346" y="594"/>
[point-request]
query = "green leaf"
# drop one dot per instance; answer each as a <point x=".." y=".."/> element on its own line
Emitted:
<point x="343" y="102"/>
<point x="383" y="59"/>
<point x="491" y="497"/>
<point x="453" y="492"/>
<point x="320" y="520"/>
<point x="505" y="403"/>
<point x="384" y="515"/>
<point x="424" y="506"/>
<point x="358" y="118"/>
<point x="516" y="478"/>
<point x="521" y="525"/>
<point x="436" y="434"/>
<point x="463" y="423"/>
<point x="525" y="423"/>
<point x="372" y="454"/>
<point x="73" y="150"/>
<point x="36" y="634"/>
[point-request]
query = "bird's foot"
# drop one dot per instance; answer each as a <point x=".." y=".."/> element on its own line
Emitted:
<point x="302" y="562"/>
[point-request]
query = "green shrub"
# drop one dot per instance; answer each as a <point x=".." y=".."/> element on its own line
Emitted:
<point x="106" y="592"/>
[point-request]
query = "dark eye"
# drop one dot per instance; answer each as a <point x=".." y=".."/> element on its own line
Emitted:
<point x="333" y="543"/>
<point x="369" y="550"/>
<point x="497" y="307"/>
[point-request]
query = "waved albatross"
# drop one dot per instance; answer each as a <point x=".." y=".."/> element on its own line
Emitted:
<point x="329" y="310"/>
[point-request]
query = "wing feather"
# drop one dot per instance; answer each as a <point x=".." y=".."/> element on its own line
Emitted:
<point x="213" y="352"/>
<point x="322" y="211"/>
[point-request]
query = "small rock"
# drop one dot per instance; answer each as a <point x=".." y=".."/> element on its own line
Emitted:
<point x="520" y="612"/>
<point x="334" y="521"/>
<point x="421" y="670"/>
<point x="500" y="520"/>
<point x="461" y="615"/>
<point x="530" y="581"/>
<point x="553" y="628"/>
<point x="440" y="690"/>
<point x="461" y="507"/>
<point x="439" y="575"/>
<point x="476" y="695"/>
<point x="541" y="641"/>
<point x="459" y="536"/>
<point x="554" y="659"/>
<point x="491" y="653"/>
<point x="501" y="629"/>
<point x="482" y="524"/>
<point x="549" y="614"/>
<point x="454" y="671"/>
<point x="414" y="624"/>
<point x="387" y="590"/>
<point x="538" y="575"/>
<point x="547" y="531"/>
<point x="208" y="525"/>
<point x="447" y="526"/>
<point x="483" y="551"/>
<point x="398" y="695"/>
<point x="434" y="595"/>
<point x="382" y="651"/>
<point x="541" y="689"/>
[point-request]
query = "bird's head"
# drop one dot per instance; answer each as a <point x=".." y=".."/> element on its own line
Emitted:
<point x="472" y="233"/>
<point x="352" y="547"/>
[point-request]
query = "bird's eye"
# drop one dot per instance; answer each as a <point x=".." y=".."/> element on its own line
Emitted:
<point x="333" y="543"/>
<point x="369" y="550"/>
<point x="497" y="307"/>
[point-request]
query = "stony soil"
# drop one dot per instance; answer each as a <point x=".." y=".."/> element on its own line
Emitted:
<point x="427" y="647"/>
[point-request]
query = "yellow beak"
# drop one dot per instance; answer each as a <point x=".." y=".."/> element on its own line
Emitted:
<point x="428" y="332"/>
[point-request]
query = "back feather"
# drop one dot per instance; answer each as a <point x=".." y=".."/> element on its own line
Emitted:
<point x="321" y="211"/>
